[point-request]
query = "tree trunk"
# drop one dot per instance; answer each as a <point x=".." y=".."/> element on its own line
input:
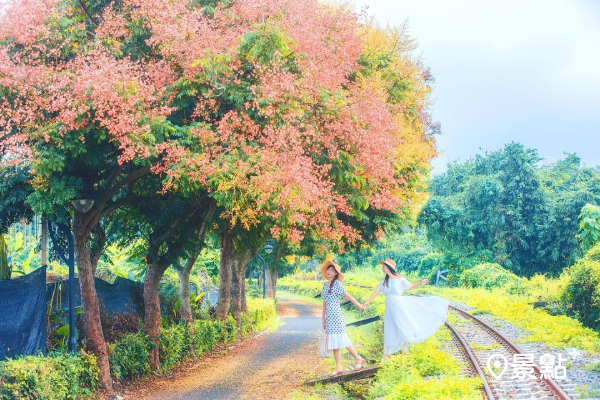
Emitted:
<point x="44" y="239"/>
<point x="184" y="296"/>
<point x="244" y="302"/>
<point x="238" y="285"/>
<point x="152" y="308"/>
<point x="271" y="281"/>
<point x="89" y="301"/>
<point x="225" y="271"/>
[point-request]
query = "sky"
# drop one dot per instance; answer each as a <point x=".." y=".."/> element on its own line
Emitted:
<point x="517" y="70"/>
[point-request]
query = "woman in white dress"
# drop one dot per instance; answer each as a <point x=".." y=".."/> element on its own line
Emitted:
<point x="333" y="318"/>
<point x="407" y="319"/>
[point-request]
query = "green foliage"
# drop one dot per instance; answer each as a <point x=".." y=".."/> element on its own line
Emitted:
<point x="262" y="313"/>
<point x="593" y="253"/>
<point x="425" y="372"/>
<point x="430" y="263"/>
<point x="207" y="335"/>
<point x="490" y="276"/>
<point x="407" y="249"/>
<point x="56" y="377"/>
<point x="589" y="225"/>
<point x="14" y="190"/>
<point x="174" y="345"/>
<point x="503" y="203"/>
<point x="129" y="356"/>
<point x="4" y="267"/>
<point x="581" y="295"/>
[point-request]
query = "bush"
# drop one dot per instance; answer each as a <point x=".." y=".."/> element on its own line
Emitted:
<point x="491" y="276"/>
<point x="580" y="296"/>
<point x="129" y="356"/>
<point x="59" y="376"/>
<point x="207" y="335"/>
<point x="410" y="260"/>
<point x="424" y="372"/>
<point x="262" y="313"/>
<point x="593" y="254"/>
<point x="430" y="263"/>
<point x="175" y="342"/>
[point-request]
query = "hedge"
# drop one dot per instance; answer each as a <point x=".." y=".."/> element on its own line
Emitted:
<point x="66" y="377"/>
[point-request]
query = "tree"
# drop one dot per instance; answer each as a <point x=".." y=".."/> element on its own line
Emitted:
<point x="590" y="226"/>
<point x="504" y="203"/>
<point x="164" y="227"/>
<point x="85" y="114"/>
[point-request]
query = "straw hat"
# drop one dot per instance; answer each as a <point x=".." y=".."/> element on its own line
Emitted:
<point x="388" y="262"/>
<point x="329" y="263"/>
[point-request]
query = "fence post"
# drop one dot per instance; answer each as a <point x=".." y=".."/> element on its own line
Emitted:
<point x="440" y="275"/>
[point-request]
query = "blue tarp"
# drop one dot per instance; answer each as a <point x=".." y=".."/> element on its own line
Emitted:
<point x="23" y="315"/>
<point x="120" y="297"/>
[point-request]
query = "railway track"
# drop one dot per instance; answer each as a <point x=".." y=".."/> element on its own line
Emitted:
<point x="474" y="342"/>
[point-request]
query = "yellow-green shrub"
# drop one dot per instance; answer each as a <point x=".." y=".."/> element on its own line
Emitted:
<point x="581" y="294"/>
<point x="424" y="372"/>
<point x="593" y="254"/>
<point x="57" y="377"/>
<point x="491" y="275"/>
<point x="558" y="331"/>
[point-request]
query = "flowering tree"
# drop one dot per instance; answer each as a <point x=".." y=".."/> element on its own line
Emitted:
<point x="85" y="118"/>
<point x="314" y="124"/>
<point x="290" y="115"/>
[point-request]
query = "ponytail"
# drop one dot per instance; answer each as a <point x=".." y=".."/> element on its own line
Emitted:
<point x="387" y="277"/>
<point x="332" y="282"/>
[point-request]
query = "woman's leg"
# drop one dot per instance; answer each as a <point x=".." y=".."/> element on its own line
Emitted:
<point x="354" y="353"/>
<point x="338" y="359"/>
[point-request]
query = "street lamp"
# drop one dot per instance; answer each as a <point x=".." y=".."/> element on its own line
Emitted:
<point x="268" y="249"/>
<point x="81" y="206"/>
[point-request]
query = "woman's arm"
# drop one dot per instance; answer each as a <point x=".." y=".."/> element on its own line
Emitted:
<point x="353" y="301"/>
<point x="416" y="285"/>
<point x="323" y="315"/>
<point x="375" y="293"/>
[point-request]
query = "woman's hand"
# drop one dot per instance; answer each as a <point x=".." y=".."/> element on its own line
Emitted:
<point x="362" y="307"/>
<point x="424" y="281"/>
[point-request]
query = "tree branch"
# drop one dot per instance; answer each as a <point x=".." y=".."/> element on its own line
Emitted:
<point x="87" y="12"/>
<point x="93" y="216"/>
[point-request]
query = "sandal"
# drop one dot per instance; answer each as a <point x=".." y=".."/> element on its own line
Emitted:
<point x="359" y="365"/>
<point x="336" y="372"/>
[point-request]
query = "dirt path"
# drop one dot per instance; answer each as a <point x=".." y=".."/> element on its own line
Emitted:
<point x="270" y="366"/>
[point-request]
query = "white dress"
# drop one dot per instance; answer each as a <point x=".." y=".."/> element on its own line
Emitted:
<point x="409" y="319"/>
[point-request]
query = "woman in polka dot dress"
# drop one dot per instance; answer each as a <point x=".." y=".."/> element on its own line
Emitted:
<point x="333" y="318"/>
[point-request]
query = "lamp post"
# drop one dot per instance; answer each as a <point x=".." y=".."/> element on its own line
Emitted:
<point x="264" y="277"/>
<point x="268" y="249"/>
<point x="81" y="206"/>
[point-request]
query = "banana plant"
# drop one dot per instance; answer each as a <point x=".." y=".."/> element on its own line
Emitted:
<point x="4" y="267"/>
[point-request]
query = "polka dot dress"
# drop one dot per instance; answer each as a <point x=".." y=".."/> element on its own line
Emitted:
<point x="335" y="326"/>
